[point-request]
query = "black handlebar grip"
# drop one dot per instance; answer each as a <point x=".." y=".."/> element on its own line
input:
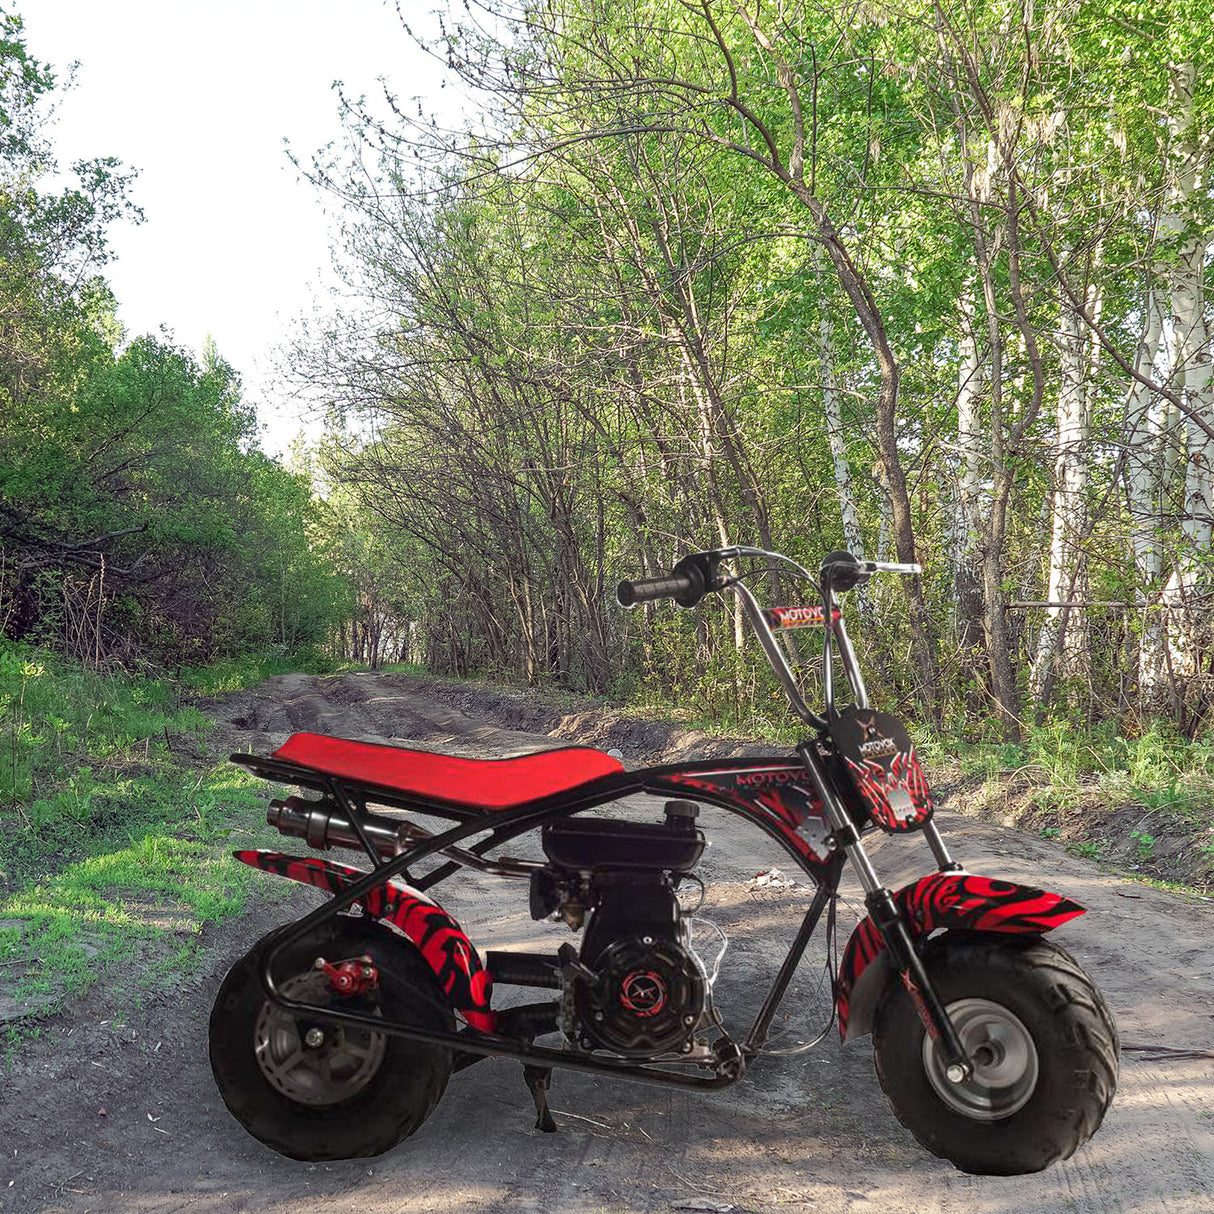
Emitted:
<point x="687" y="583"/>
<point x="644" y="590"/>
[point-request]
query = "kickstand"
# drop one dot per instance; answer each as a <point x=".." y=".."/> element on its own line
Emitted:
<point x="537" y="1079"/>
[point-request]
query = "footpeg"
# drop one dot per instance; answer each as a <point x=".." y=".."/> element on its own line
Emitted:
<point x="537" y="1079"/>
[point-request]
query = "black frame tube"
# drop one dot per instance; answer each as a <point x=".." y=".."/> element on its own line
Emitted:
<point x="796" y="950"/>
<point x="492" y="1045"/>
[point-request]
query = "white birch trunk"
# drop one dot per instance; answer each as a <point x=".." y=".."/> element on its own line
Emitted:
<point x="965" y="521"/>
<point x="852" y="534"/>
<point x="708" y="454"/>
<point x="886" y="528"/>
<point x="1076" y="643"/>
<point x="1191" y="371"/>
<point x="838" y="443"/>
<point x="1146" y="417"/>
<point x="1070" y="506"/>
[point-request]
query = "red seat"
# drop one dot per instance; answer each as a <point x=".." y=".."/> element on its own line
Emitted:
<point x="478" y="783"/>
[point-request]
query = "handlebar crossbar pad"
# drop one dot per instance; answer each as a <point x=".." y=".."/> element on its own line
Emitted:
<point x="798" y="617"/>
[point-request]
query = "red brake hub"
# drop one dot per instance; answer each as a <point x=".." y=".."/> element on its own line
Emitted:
<point x="353" y="977"/>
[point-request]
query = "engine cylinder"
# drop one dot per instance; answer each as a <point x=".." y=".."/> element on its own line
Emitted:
<point x="637" y="990"/>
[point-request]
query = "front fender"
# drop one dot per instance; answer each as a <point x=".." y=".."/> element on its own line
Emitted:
<point x="939" y="900"/>
<point x="438" y="937"/>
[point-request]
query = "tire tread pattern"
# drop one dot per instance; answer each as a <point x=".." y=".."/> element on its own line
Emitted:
<point x="1057" y="1121"/>
<point x="397" y="1101"/>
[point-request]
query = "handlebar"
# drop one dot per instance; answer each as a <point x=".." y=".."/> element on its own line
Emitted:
<point x="697" y="574"/>
<point x="890" y="567"/>
<point x="844" y="572"/>
<point x="644" y="590"/>
<point x="687" y="583"/>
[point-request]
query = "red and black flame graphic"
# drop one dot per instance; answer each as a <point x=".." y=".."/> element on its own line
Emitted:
<point x="643" y="993"/>
<point x="896" y="797"/>
<point x="438" y="937"/>
<point x="982" y="904"/>
<point x="942" y="900"/>
<point x="772" y="796"/>
<point x="880" y="758"/>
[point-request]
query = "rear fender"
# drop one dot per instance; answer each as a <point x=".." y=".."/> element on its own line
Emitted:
<point x="939" y="900"/>
<point x="438" y="937"/>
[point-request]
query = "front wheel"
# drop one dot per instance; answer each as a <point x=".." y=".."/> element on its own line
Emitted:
<point x="313" y="1089"/>
<point x="1042" y="1041"/>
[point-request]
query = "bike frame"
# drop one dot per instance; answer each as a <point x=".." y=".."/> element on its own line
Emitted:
<point x="801" y="801"/>
<point x="768" y="792"/>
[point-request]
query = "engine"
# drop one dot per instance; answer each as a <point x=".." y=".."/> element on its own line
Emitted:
<point x="636" y="988"/>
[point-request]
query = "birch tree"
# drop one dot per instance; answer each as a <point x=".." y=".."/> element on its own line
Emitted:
<point x="1186" y="235"/>
<point x="1149" y="421"/>
<point x="1065" y="584"/>
<point x="966" y="524"/>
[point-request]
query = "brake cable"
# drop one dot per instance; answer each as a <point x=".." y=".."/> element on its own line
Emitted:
<point x="830" y="968"/>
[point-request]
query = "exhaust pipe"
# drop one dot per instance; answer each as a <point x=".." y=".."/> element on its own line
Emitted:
<point x="323" y="827"/>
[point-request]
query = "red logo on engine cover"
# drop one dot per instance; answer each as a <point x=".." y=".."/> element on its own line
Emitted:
<point x="643" y="993"/>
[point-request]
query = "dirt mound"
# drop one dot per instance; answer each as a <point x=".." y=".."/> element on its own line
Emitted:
<point x="456" y="717"/>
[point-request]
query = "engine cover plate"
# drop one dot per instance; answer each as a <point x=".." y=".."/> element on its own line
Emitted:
<point x="647" y="1000"/>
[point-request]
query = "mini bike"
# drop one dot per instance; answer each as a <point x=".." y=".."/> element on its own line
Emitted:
<point x="335" y="1036"/>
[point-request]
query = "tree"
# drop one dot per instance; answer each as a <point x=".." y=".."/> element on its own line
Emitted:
<point x="708" y="271"/>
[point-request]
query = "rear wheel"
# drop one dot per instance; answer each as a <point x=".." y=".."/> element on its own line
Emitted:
<point x="312" y="1089"/>
<point x="1042" y="1041"/>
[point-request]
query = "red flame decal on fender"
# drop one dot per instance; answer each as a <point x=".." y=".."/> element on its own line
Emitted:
<point x="952" y="900"/>
<point x="438" y="937"/>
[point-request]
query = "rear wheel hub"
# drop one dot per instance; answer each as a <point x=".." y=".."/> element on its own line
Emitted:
<point x="308" y="1064"/>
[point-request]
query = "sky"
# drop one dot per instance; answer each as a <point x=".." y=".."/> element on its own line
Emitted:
<point x="199" y="98"/>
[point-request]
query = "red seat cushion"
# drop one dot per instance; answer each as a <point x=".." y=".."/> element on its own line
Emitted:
<point x="483" y="783"/>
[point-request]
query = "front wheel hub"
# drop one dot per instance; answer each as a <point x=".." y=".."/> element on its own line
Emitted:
<point x="1004" y="1062"/>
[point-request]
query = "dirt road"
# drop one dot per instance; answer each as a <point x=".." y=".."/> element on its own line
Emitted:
<point x="805" y="1133"/>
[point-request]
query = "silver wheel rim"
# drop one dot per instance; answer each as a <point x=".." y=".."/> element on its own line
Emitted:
<point x="1004" y="1056"/>
<point x="344" y="1062"/>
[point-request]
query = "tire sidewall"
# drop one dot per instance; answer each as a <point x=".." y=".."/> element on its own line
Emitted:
<point x="1051" y="1124"/>
<point x="398" y="1097"/>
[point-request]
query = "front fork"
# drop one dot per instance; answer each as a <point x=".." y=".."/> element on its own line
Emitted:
<point x="885" y="914"/>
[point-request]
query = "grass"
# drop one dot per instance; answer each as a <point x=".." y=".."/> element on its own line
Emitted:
<point x="1158" y="767"/>
<point x="1145" y="801"/>
<point x="75" y="924"/>
<point x="114" y="827"/>
<point x="227" y="675"/>
<point x="57" y="720"/>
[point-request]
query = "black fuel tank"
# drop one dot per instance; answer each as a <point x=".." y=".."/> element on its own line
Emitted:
<point x="599" y="844"/>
